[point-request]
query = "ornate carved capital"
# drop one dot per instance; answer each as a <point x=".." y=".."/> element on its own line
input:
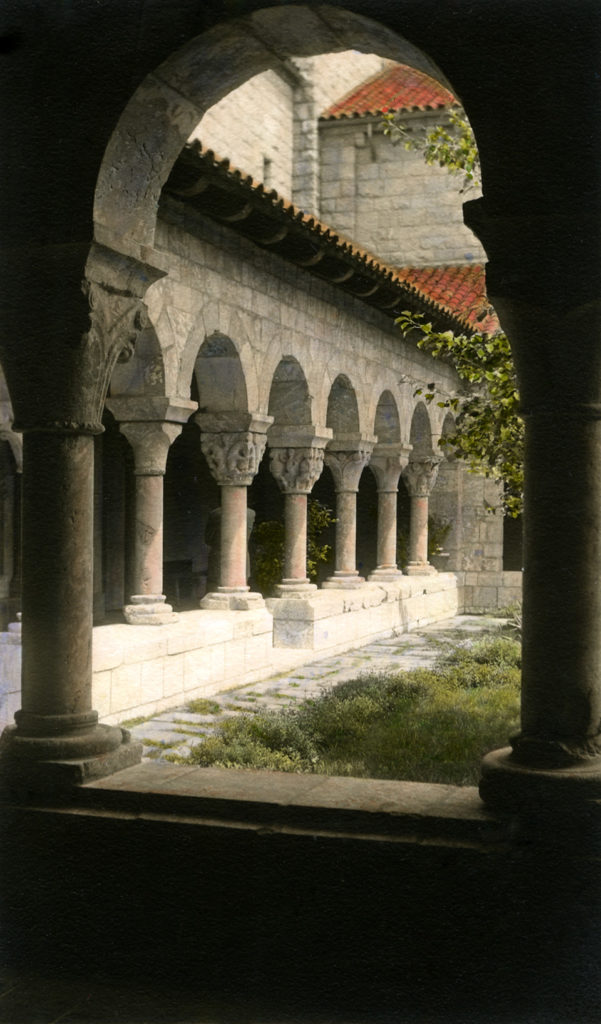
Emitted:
<point x="420" y="475"/>
<point x="233" y="456"/>
<point x="387" y="461"/>
<point x="347" y="465"/>
<point x="296" y="469"/>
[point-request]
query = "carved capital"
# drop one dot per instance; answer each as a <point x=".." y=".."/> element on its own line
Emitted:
<point x="347" y="465"/>
<point x="296" y="469"/>
<point x="233" y="456"/>
<point x="387" y="461"/>
<point x="420" y="475"/>
<point x="150" y="442"/>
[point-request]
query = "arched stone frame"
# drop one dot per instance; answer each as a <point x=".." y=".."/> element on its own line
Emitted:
<point x="172" y="100"/>
<point x="446" y="505"/>
<point x="419" y="477"/>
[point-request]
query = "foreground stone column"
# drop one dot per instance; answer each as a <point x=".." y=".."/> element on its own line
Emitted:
<point x="346" y="459"/>
<point x="296" y="467"/>
<point x="387" y="462"/>
<point x="420" y="476"/>
<point x="150" y="440"/>
<point x="57" y="731"/>
<point x="233" y="445"/>
<point x="548" y="304"/>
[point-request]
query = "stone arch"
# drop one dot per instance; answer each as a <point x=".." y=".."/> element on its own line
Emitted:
<point x="289" y="398"/>
<point x="387" y="425"/>
<point x="171" y="101"/>
<point x="447" y="429"/>
<point x="343" y="410"/>
<point x="420" y="436"/>
<point x="140" y="369"/>
<point x="219" y="376"/>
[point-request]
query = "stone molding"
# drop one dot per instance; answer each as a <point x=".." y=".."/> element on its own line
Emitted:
<point x="387" y="462"/>
<point x="420" y="475"/>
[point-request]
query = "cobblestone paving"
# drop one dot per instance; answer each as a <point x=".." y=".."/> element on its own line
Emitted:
<point x="178" y="730"/>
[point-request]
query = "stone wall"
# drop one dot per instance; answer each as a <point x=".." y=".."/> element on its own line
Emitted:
<point x="253" y="127"/>
<point x="268" y="126"/>
<point x="388" y="200"/>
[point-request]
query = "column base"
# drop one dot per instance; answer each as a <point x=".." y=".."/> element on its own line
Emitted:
<point x="294" y="588"/>
<point x="385" y="575"/>
<point x="511" y="787"/>
<point x="420" y="569"/>
<point x="51" y="763"/>
<point x="232" y="599"/>
<point x="343" y="581"/>
<point x="148" y="610"/>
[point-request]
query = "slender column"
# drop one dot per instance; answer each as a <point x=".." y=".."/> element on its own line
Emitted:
<point x="346" y="464"/>
<point x="419" y="477"/>
<point x="554" y="763"/>
<point x="150" y="441"/>
<point x="387" y="461"/>
<point x="233" y="456"/>
<point x="296" y="466"/>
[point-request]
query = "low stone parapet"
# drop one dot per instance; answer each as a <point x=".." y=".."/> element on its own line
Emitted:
<point x="482" y="591"/>
<point x="334" y="620"/>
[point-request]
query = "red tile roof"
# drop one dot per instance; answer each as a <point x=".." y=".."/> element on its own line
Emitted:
<point x="460" y="290"/>
<point x="397" y="88"/>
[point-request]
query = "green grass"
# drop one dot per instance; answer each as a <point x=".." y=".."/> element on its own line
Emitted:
<point x="202" y="706"/>
<point x="426" y="725"/>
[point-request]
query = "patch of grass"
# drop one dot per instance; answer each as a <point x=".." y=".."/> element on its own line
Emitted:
<point x="235" y="707"/>
<point x="294" y="684"/>
<point x="190" y="732"/>
<point x="159" y="744"/>
<point x="425" y="725"/>
<point x="202" y="706"/>
<point x="130" y="723"/>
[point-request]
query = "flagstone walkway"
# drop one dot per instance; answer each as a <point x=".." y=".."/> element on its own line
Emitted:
<point x="179" y="730"/>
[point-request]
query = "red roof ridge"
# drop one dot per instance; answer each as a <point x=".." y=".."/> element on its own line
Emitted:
<point x="399" y="87"/>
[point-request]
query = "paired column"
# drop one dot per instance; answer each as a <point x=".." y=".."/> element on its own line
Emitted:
<point x="420" y="476"/>
<point x="150" y="438"/>
<point x="233" y="445"/>
<point x="387" y="462"/>
<point x="346" y="459"/>
<point x="296" y="462"/>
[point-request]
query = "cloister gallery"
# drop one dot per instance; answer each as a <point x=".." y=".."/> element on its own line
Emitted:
<point x="265" y="366"/>
<point x="232" y="348"/>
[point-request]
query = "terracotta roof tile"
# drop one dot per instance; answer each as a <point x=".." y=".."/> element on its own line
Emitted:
<point x="460" y="290"/>
<point x="397" y="88"/>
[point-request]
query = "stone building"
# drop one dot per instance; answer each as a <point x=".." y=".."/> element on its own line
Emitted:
<point x="358" y="881"/>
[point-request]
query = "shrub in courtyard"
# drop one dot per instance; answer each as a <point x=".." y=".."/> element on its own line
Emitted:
<point x="428" y="725"/>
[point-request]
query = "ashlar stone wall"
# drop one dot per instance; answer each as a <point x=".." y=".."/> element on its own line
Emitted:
<point x="388" y="200"/>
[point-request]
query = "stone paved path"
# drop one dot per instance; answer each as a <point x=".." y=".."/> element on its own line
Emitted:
<point x="179" y="730"/>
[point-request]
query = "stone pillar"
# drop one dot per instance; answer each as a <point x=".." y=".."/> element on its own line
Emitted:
<point x="233" y="445"/>
<point x="543" y="280"/>
<point x="57" y="737"/>
<point x="150" y="439"/>
<point x="387" y="462"/>
<point x="346" y="458"/>
<point x="420" y="476"/>
<point x="296" y="461"/>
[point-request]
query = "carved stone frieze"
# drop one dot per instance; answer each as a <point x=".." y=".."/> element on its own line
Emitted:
<point x="296" y="470"/>
<point x="233" y="457"/>
<point x="420" y="475"/>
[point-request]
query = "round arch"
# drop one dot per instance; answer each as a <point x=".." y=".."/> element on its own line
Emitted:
<point x="289" y="398"/>
<point x="420" y="435"/>
<point x="170" y="102"/>
<point x="387" y="424"/>
<point x="343" y="412"/>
